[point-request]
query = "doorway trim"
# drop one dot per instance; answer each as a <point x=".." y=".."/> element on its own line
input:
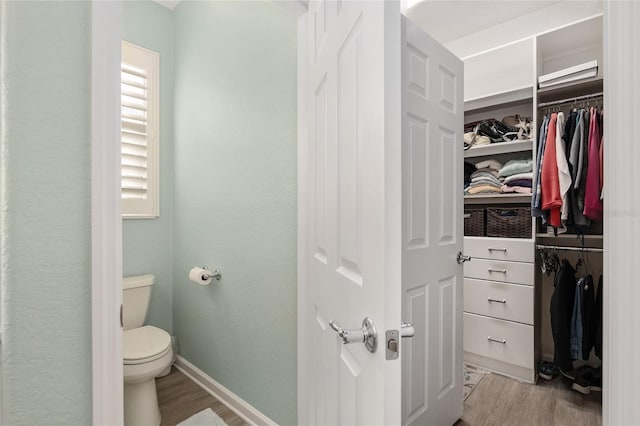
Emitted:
<point x="622" y="214"/>
<point x="620" y="388"/>
<point x="106" y="217"/>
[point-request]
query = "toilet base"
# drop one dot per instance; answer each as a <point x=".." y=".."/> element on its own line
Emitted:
<point x="141" y="404"/>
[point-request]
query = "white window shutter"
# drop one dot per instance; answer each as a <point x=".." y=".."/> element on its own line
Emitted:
<point x="140" y="130"/>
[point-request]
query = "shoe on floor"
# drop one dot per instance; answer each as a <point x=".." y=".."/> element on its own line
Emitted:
<point x="547" y="370"/>
<point x="589" y="379"/>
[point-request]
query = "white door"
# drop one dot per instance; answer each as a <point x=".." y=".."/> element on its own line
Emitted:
<point x="352" y="210"/>
<point x="432" y="114"/>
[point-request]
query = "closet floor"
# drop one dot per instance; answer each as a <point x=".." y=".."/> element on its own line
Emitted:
<point x="499" y="400"/>
<point x="180" y="398"/>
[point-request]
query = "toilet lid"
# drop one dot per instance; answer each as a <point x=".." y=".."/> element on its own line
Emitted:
<point x="144" y="342"/>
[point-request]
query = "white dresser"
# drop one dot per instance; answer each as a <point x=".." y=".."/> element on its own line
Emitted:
<point x="499" y="306"/>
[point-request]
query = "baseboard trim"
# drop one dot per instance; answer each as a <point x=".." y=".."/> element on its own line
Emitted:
<point x="241" y="407"/>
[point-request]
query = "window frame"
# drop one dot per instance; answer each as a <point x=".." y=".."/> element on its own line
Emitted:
<point x="148" y="60"/>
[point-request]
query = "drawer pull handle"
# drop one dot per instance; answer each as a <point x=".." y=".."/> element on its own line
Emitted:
<point x="491" y="339"/>
<point x="491" y="299"/>
<point x="504" y="250"/>
<point x="501" y="271"/>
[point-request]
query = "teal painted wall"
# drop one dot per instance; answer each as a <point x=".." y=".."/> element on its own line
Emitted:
<point x="147" y="243"/>
<point x="235" y="197"/>
<point x="46" y="201"/>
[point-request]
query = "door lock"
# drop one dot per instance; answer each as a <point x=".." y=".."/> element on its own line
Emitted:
<point x="392" y="339"/>
<point x="392" y="345"/>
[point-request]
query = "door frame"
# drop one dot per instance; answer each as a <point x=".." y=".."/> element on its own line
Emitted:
<point x="106" y="214"/>
<point x="303" y="175"/>
<point x="620" y="390"/>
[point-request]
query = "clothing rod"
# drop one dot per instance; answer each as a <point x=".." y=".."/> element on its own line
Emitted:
<point x="569" y="100"/>
<point x="564" y="248"/>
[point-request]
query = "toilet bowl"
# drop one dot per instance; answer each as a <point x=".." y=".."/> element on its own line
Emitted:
<point x="147" y="353"/>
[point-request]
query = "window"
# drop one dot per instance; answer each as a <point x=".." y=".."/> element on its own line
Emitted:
<point x="139" y="137"/>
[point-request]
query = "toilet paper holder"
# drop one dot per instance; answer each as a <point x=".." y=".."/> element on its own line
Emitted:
<point x="217" y="274"/>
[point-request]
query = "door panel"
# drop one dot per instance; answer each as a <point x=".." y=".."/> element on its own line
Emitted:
<point x="349" y="181"/>
<point x="384" y="116"/>
<point x="432" y="230"/>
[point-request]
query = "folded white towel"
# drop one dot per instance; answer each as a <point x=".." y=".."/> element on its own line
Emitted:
<point x="489" y="164"/>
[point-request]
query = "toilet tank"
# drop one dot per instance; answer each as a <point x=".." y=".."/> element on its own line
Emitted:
<point x="136" y="293"/>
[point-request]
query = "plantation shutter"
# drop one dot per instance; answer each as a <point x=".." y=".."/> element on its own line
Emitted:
<point x="139" y="137"/>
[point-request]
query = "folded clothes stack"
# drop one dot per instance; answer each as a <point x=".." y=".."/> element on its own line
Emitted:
<point x="518" y="176"/>
<point x="468" y="171"/>
<point x="485" y="180"/>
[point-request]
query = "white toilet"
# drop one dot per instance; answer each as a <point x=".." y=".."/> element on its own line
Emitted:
<point x="147" y="354"/>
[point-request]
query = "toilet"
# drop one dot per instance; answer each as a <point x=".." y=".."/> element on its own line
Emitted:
<point x="147" y="353"/>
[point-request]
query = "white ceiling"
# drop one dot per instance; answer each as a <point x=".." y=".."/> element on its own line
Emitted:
<point x="447" y="20"/>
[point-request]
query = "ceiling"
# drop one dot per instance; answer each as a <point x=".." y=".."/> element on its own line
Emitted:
<point x="447" y="20"/>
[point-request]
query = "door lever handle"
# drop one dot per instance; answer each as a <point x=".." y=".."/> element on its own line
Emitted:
<point x="367" y="334"/>
<point x="461" y="258"/>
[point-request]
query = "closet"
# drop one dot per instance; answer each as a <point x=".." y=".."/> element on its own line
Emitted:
<point x="507" y="296"/>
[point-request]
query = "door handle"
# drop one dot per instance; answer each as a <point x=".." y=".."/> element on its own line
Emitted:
<point x="367" y="334"/>
<point x="407" y="330"/>
<point x="461" y="258"/>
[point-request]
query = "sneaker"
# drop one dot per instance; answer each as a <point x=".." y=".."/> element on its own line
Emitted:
<point x="589" y="380"/>
<point x="547" y="370"/>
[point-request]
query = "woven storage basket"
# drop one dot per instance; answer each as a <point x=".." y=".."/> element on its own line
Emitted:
<point x="474" y="223"/>
<point x="512" y="222"/>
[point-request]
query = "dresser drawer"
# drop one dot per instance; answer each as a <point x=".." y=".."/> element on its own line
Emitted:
<point x="505" y="341"/>
<point x="499" y="249"/>
<point x="493" y="270"/>
<point x="512" y="302"/>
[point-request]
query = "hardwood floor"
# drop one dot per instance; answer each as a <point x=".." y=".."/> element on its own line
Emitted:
<point x="498" y="400"/>
<point x="180" y="398"/>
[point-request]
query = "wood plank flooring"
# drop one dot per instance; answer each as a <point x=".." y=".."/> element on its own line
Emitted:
<point x="180" y="398"/>
<point x="498" y="400"/>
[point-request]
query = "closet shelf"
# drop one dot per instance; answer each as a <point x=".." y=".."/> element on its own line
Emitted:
<point x="500" y="98"/>
<point x="497" y="199"/>
<point x="499" y="148"/>
<point x="549" y="94"/>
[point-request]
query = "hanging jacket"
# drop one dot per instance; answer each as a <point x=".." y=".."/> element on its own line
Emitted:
<point x="551" y="197"/>
<point x="575" y="162"/>
<point x="598" y="326"/>
<point x="592" y="202"/>
<point x="569" y="130"/>
<point x="564" y="176"/>
<point x="583" y="161"/>
<point x="576" y="322"/>
<point x="561" y="310"/>
<point x="536" y="200"/>
<point x="589" y="322"/>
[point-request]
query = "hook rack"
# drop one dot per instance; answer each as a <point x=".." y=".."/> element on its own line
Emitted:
<point x="571" y="100"/>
